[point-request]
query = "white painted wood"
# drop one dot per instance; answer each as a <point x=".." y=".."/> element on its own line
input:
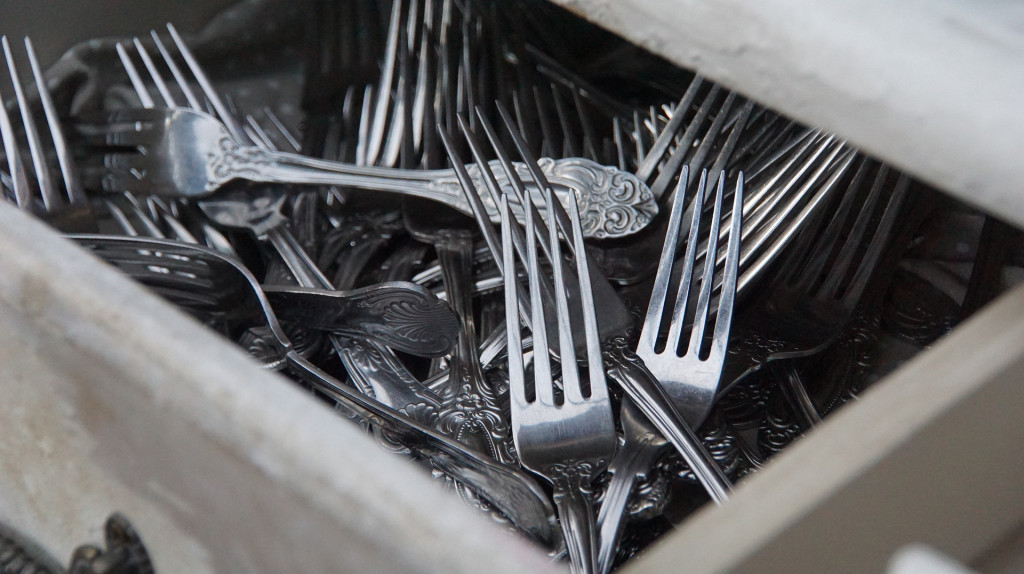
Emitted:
<point x="933" y="86"/>
<point x="931" y="455"/>
<point x="113" y="400"/>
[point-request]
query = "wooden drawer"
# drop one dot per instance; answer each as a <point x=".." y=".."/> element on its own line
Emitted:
<point x="113" y="400"/>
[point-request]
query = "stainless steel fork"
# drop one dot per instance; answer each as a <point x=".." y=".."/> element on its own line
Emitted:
<point x="147" y="260"/>
<point x="819" y="284"/>
<point x="688" y="383"/>
<point x="688" y="372"/>
<point x="568" y="441"/>
<point x="189" y="153"/>
<point x="51" y="198"/>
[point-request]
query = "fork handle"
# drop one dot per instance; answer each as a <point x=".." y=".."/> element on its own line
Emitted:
<point x="612" y="203"/>
<point x="281" y="167"/>
<point x="628" y="370"/>
<point x="510" y="490"/>
<point x="575" y="504"/>
<point x="629" y="463"/>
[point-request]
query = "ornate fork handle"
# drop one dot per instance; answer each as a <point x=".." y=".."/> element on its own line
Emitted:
<point x="402" y="316"/>
<point x="470" y="411"/>
<point x="613" y="203"/>
<point x="511" y="491"/>
<point x="631" y="460"/>
<point x="575" y="501"/>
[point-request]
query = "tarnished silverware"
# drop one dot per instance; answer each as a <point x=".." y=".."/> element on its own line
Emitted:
<point x="400" y="315"/>
<point x="815" y="293"/>
<point x="568" y="442"/>
<point x="511" y="491"/>
<point x="61" y="197"/>
<point x="188" y="153"/>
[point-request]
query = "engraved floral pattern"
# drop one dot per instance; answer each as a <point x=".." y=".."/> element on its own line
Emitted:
<point x="233" y="161"/>
<point x="415" y="316"/>
<point x="612" y="203"/>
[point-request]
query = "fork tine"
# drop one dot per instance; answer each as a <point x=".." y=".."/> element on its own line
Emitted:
<point x="19" y="179"/>
<point x="878" y="242"/>
<point x="678" y="320"/>
<point x="727" y="295"/>
<point x="597" y="387"/>
<point x="556" y="209"/>
<point x="72" y="183"/>
<point x="149" y="225"/>
<point x="380" y="115"/>
<point x="619" y="143"/>
<point x="675" y="159"/>
<point x="837" y="271"/>
<point x="51" y="198"/>
<point x="179" y="77"/>
<point x="257" y="134"/>
<point x="518" y="188"/>
<point x="513" y="331"/>
<point x="161" y="212"/>
<point x="490" y="183"/>
<point x="208" y="90"/>
<point x="661" y="145"/>
<point x="708" y="278"/>
<point x="363" y="137"/>
<point x="282" y="129"/>
<point x="766" y="242"/>
<point x="472" y="196"/>
<point x="820" y="253"/>
<point x="157" y="78"/>
<point x="568" y="139"/>
<point x="121" y="219"/>
<point x="566" y="344"/>
<point x="659" y="293"/>
<point x="710" y="138"/>
<point x="545" y="391"/>
<point x="133" y="75"/>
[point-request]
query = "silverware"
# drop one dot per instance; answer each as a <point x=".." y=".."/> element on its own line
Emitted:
<point x="571" y="441"/>
<point x="70" y="203"/>
<point x="614" y="318"/>
<point x="678" y="400"/>
<point x="508" y="489"/>
<point x="687" y="370"/>
<point x="642" y="444"/>
<point x="188" y="153"/>
<point x="818" y="286"/>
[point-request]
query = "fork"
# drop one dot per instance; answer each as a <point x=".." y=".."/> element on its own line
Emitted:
<point x="52" y="200"/>
<point x="260" y="213"/>
<point x="149" y="261"/>
<point x="622" y="364"/>
<point x="688" y="382"/>
<point x="819" y="282"/>
<point x="691" y="379"/>
<point x="185" y="152"/>
<point x="568" y="442"/>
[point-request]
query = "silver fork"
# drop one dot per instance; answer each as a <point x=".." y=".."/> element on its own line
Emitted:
<point x="53" y="199"/>
<point x="189" y="153"/>
<point x="570" y="443"/>
<point x="511" y="490"/>
<point x="622" y="364"/>
<point x="691" y="379"/>
<point x="687" y="410"/>
<point x="820" y="282"/>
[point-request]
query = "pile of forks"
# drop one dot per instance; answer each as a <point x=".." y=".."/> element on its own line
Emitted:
<point x="587" y="310"/>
